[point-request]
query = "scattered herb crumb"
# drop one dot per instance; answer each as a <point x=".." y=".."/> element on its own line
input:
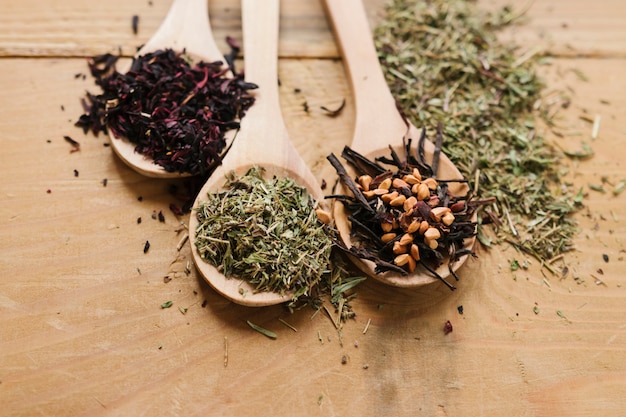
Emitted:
<point x="288" y="325"/>
<point x="336" y="112"/>
<point x="344" y="359"/>
<point x="161" y="217"/>
<point x="514" y="265"/>
<point x="460" y="309"/>
<point x="605" y="257"/>
<point x="75" y="144"/>
<point x="135" y="23"/>
<point x="560" y="314"/>
<point x="367" y="325"/>
<point x="105" y="182"/>
<point x="176" y="210"/>
<point x="536" y="310"/>
<point x="225" y="351"/>
<point x="320" y="399"/>
<point x="76" y="173"/>
<point x="261" y="330"/>
<point x="597" y="188"/>
<point x="183" y="310"/>
<point x="447" y="328"/>
<point x="167" y="304"/>
<point x="138" y="220"/>
<point x="146" y="247"/>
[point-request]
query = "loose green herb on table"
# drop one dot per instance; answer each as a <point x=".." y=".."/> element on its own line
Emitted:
<point x="444" y="64"/>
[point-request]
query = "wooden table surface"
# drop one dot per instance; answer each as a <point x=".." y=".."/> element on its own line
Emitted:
<point x="81" y="327"/>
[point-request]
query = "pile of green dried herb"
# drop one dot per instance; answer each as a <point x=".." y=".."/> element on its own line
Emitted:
<point x="444" y="64"/>
<point x="265" y="231"/>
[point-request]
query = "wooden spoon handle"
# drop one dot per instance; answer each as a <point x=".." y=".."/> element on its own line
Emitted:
<point x="260" y="21"/>
<point x="186" y="26"/>
<point x="263" y="131"/>
<point x="376" y="111"/>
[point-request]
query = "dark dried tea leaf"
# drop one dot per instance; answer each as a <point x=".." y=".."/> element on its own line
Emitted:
<point x="401" y="216"/>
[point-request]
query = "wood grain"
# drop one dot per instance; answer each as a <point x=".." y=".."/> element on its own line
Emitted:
<point x="73" y="28"/>
<point x="82" y="331"/>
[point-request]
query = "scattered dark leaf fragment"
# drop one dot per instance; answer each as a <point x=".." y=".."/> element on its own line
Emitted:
<point x="605" y="257"/>
<point x="161" y="217"/>
<point x="135" y="23"/>
<point x="337" y="111"/>
<point x="146" y="247"/>
<point x="175" y="209"/>
<point x="75" y="144"/>
<point x="460" y="309"/>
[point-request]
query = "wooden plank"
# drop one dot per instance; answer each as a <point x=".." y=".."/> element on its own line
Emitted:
<point x="83" y="332"/>
<point x="75" y="28"/>
<point x="569" y="28"/>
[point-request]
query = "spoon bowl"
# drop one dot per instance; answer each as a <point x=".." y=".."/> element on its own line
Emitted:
<point x="379" y="124"/>
<point x="262" y="141"/>
<point x="186" y="27"/>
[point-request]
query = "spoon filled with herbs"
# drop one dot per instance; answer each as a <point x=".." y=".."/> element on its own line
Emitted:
<point x="403" y="210"/>
<point x="168" y="115"/>
<point x="257" y="230"/>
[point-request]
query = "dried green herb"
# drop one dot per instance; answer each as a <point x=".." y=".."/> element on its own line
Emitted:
<point x="444" y="64"/>
<point x="261" y="330"/>
<point x="266" y="232"/>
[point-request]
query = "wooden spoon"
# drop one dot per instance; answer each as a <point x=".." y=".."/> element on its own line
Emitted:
<point x="186" y="27"/>
<point x="378" y="125"/>
<point x="262" y="141"/>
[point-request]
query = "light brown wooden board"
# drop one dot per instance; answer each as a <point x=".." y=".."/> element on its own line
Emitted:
<point x="74" y="28"/>
<point x="82" y="331"/>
